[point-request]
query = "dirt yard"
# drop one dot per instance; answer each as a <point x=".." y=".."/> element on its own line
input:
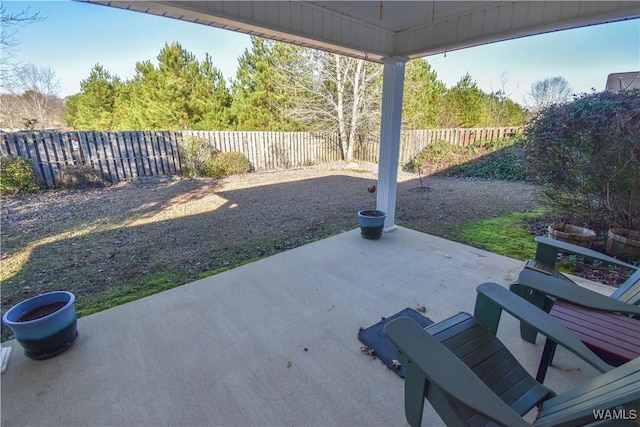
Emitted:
<point x="111" y="242"/>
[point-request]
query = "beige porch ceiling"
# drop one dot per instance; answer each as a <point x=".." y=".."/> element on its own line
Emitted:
<point x="410" y="29"/>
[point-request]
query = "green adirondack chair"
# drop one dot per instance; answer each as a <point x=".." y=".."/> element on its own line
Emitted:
<point x="540" y="291"/>
<point x="471" y="379"/>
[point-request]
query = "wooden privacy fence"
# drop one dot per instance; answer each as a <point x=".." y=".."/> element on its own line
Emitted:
<point x="413" y="141"/>
<point x="123" y="156"/>
<point x="129" y="155"/>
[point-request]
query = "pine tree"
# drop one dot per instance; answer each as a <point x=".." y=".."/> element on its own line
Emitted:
<point x="423" y="96"/>
<point x="93" y="107"/>
<point x="262" y="97"/>
<point x="179" y="93"/>
<point x="464" y="104"/>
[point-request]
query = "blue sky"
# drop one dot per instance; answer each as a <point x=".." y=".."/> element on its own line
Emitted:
<point x="76" y="36"/>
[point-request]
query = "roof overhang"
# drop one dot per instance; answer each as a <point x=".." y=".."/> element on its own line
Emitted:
<point x="407" y="28"/>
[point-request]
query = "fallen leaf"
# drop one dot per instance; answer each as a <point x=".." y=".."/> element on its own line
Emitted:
<point x="368" y="351"/>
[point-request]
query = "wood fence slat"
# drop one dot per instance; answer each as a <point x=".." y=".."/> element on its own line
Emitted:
<point x="47" y="159"/>
<point x="60" y="153"/>
<point x="5" y="147"/>
<point x="153" y="153"/>
<point x="83" y="148"/>
<point x="149" y="153"/>
<point x="115" y="139"/>
<point x="109" y="160"/>
<point x="257" y="144"/>
<point x="160" y="156"/>
<point x="165" y="140"/>
<point x="267" y="149"/>
<point x="130" y="155"/>
<point x="147" y="150"/>
<point x="137" y="153"/>
<point x="162" y="160"/>
<point x="124" y="155"/>
<point x="154" y="156"/>
<point x="21" y="145"/>
<point x="67" y="149"/>
<point x="116" y="171"/>
<point x="96" y="148"/>
<point x="141" y="143"/>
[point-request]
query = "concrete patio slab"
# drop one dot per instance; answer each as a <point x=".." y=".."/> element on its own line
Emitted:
<point x="271" y="343"/>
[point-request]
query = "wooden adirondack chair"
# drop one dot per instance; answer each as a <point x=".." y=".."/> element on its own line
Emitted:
<point x="543" y="293"/>
<point x="547" y="254"/>
<point x="470" y="378"/>
<point x="604" y="324"/>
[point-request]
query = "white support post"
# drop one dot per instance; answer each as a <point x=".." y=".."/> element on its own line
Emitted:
<point x="393" y="83"/>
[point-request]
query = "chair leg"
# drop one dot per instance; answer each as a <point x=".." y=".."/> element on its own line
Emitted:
<point x="414" y="392"/>
<point x="545" y="361"/>
<point x="539" y="300"/>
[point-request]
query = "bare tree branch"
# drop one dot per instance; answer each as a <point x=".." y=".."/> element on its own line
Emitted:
<point x="9" y="40"/>
<point x="338" y="93"/>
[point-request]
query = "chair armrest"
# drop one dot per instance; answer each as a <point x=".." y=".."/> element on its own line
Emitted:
<point x="547" y="252"/>
<point x="566" y="291"/>
<point x="445" y="371"/>
<point x="492" y="299"/>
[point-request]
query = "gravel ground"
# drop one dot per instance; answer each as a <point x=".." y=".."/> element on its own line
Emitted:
<point x="176" y="230"/>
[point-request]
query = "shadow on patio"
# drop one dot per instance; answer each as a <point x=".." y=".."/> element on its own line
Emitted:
<point x="230" y="349"/>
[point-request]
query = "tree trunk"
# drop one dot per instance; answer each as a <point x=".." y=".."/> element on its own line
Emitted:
<point x="342" y="127"/>
<point x="359" y="78"/>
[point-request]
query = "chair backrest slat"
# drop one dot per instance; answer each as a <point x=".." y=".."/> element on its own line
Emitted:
<point x="618" y="387"/>
<point x="629" y="291"/>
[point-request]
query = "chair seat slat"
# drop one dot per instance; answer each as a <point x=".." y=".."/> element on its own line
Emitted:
<point x="488" y="358"/>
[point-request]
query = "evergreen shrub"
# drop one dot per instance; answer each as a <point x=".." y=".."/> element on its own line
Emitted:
<point x="586" y="154"/>
<point x="17" y="175"/>
<point x="196" y="156"/>
<point x="231" y="163"/>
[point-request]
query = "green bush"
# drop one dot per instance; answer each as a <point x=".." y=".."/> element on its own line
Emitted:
<point x="17" y="175"/>
<point x="80" y="177"/>
<point x="196" y="156"/>
<point x="586" y="154"/>
<point x="231" y="163"/>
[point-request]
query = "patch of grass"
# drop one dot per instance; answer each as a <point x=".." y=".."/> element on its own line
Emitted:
<point x="230" y="266"/>
<point x="505" y="235"/>
<point x="116" y="296"/>
<point x="175" y="276"/>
